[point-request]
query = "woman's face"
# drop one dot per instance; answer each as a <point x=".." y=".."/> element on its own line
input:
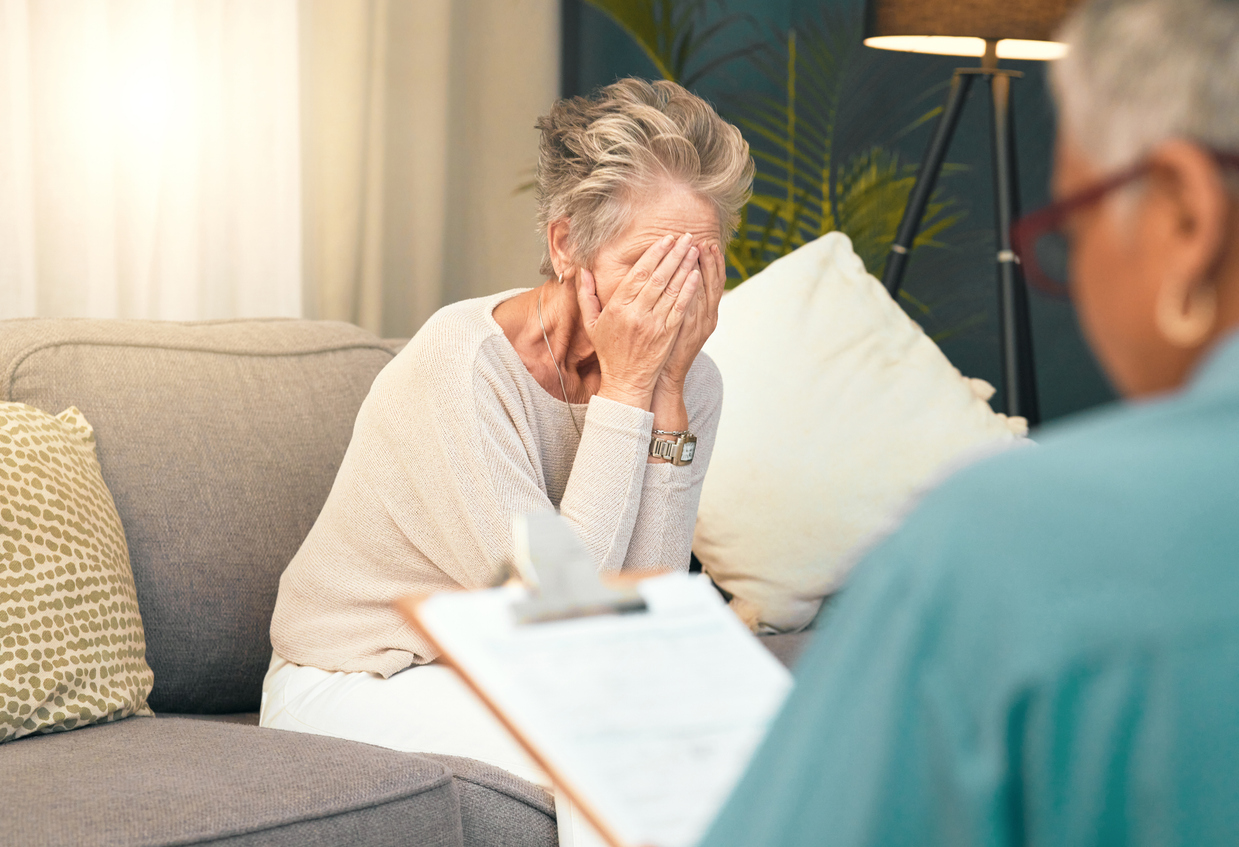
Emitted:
<point x="1106" y="286"/>
<point x="673" y="210"/>
<point x="1123" y="251"/>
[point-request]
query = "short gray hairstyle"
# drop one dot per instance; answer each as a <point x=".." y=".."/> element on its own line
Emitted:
<point x="1141" y="72"/>
<point x="598" y="155"/>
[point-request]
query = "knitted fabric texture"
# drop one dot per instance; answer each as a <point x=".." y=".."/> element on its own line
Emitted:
<point x="455" y="439"/>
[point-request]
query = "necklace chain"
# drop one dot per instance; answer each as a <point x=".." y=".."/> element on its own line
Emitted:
<point x="559" y="374"/>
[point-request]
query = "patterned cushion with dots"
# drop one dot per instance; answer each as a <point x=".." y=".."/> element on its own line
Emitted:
<point x="72" y="649"/>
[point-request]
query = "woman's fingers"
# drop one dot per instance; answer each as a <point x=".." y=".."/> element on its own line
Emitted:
<point x="587" y="299"/>
<point x="644" y="269"/>
<point x="673" y="286"/>
<point x="683" y="302"/>
<point x="715" y="277"/>
<point x="654" y="324"/>
<point x="721" y="262"/>
<point x="664" y="273"/>
<point x="697" y="307"/>
<point x="665" y="308"/>
<point x="710" y="274"/>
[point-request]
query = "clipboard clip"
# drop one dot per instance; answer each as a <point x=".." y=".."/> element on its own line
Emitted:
<point x="560" y="573"/>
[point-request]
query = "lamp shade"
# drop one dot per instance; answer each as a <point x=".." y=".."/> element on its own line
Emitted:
<point x="1024" y="29"/>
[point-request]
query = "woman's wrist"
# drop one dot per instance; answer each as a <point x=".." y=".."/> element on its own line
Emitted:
<point x="629" y="395"/>
<point x="670" y="385"/>
<point x="670" y="413"/>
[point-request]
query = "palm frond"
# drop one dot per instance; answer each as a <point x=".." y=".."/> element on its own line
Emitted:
<point x="811" y="127"/>
<point x="673" y="33"/>
<point x="812" y="178"/>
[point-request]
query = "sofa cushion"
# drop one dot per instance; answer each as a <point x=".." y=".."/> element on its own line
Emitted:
<point x="148" y="781"/>
<point x="839" y="409"/>
<point x="497" y="807"/>
<point x="72" y="651"/>
<point x="219" y="442"/>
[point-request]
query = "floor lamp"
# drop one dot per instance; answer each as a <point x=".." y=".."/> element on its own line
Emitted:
<point x="992" y="30"/>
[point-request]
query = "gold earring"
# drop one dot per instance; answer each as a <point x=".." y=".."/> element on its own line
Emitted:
<point x="1186" y="317"/>
<point x="561" y="277"/>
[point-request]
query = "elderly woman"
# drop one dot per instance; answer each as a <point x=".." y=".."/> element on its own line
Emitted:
<point x="1048" y="650"/>
<point x="583" y="395"/>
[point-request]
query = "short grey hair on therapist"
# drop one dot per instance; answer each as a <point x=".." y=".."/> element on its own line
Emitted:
<point x="1141" y="72"/>
<point x="599" y="156"/>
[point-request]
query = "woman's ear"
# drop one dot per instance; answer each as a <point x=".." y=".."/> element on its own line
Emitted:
<point x="1191" y="193"/>
<point x="559" y="245"/>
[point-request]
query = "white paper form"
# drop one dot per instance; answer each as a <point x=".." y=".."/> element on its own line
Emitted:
<point x="651" y="717"/>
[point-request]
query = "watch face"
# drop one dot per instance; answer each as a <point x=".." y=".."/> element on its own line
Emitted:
<point x="686" y="453"/>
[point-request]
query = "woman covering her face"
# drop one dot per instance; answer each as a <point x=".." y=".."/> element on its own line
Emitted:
<point x="1047" y="651"/>
<point x="586" y="394"/>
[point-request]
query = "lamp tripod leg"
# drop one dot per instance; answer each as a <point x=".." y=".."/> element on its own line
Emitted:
<point x="927" y="176"/>
<point x="1015" y="329"/>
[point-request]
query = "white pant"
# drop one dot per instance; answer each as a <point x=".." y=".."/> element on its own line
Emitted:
<point x="425" y="709"/>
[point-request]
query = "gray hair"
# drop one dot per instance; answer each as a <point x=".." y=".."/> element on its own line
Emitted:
<point x="1141" y="72"/>
<point x="598" y="155"/>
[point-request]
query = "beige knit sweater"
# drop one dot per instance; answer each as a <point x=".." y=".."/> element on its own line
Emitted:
<point x="455" y="439"/>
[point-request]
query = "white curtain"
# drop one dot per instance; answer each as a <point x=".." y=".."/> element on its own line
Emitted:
<point x="348" y="159"/>
<point x="418" y="132"/>
<point x="149" y="158"/>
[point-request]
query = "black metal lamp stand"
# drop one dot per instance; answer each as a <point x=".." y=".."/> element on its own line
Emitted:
<point x="1019" y="389"/>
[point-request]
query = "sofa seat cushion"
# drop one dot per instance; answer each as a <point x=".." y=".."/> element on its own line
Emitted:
<point x="497" y="807"/>
<point x="245" y="718"/>
<point x="148" y="781"/>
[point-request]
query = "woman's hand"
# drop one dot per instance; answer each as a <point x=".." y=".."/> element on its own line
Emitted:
<point x="699" y="321"/>
<point x="636" y="332"/>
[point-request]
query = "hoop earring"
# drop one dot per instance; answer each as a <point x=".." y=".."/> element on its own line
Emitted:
<point x="561" y="277"/>
<point x="1185" y="322"/>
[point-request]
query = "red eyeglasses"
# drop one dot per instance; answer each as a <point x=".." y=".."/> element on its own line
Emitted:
<point x="1043" y="247"/>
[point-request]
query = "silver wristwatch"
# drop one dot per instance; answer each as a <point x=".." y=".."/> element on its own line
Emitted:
<point x="676" y="447"/>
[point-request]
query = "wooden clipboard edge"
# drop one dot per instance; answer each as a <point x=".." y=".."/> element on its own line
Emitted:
<point x="409" y="608"/>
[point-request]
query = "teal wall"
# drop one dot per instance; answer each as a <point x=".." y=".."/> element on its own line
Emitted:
<point x="959" y="281"/>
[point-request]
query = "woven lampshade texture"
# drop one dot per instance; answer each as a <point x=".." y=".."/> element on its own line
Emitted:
<point x="1030" y="20"/>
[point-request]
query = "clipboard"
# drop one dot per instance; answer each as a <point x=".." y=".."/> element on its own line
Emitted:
<point x="643" y="704"/>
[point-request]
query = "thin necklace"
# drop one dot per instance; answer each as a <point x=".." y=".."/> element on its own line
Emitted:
<point x="562" y="387"/>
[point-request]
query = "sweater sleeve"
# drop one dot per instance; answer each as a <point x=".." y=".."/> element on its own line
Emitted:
<point x="629" y="513"/>
<point x="662" y="536"/>
<point x="447" y="449"/>
<point x="605" y="488"/>
<point x="461" y="463"/>
<point x="634" y="515"/>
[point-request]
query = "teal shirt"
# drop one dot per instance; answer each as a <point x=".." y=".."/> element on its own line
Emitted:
<point x="1046" y="652"/>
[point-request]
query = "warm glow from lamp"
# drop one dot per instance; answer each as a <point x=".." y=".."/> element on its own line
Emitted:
<point x="948" y="45"/>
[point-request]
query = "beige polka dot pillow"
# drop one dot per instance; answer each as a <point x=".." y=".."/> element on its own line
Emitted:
<point x="72" y="650"/>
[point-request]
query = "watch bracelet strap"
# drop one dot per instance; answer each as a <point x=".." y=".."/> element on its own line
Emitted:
<point x="665" y="448"/>
<point x="661" y="448"/>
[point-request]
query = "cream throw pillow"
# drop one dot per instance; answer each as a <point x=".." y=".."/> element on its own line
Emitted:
<point x="72" y="649"/>
<point x="837" y="408"/>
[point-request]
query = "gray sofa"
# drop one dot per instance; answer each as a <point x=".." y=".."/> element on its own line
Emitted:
<point x="219" y="442"/>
